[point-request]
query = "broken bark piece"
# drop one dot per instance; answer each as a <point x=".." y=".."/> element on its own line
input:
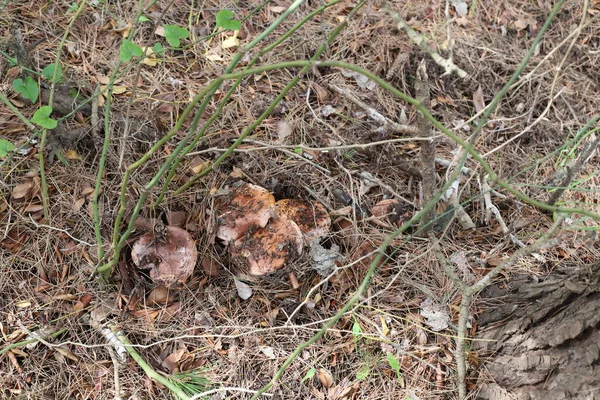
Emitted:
<point x="251" y="206"/>
<point x="267" y="249"/>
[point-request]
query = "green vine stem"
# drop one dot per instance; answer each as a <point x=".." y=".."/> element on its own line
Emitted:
<point x="235" y="85"/>
<point x="152" y="374"/>
<point x="44" y="182"/>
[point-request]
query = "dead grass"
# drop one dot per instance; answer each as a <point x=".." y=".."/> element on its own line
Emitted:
<point x="241" y="343"/>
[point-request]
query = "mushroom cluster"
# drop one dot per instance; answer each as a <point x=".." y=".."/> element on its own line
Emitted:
<point x="264" y="234"/>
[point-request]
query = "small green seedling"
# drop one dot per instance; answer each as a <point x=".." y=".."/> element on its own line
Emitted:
<point x="225" y="21"/>
<point x="143" y="18"/>
<point x="174" y="33"/>
<point x="42" y="118"/>
<point x="5" y="147"/>
<point x="309" y="374"/>
<point x="395" y="365"/>
<point x="363" y="372"/>
<point x="48" y="72"/>
<point x="73" y="7"/>
<point x="28" y="88"/>
<point x="129" y="50"/>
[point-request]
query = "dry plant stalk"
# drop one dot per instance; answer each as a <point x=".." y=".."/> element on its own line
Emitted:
<point x="447" y="64"/>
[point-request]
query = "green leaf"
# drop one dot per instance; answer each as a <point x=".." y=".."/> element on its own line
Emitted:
<point x="224" y="21"/>
<point x="5" y="147"/>
<point x="158" y="48"/>
<point x="28" y="89"/>
<point x="393" y="361"/>
<point x="173" y="33"/>
<point x="73" y="7"/>
<point x="48" y="72"/>
<point x="129" y="50"/>
<point x="363" y="373"/>
<point x="356" y="331"/>
<point x="143" y="18"/>
<point x="309" y="374"/>
<point x="42" y="118"/>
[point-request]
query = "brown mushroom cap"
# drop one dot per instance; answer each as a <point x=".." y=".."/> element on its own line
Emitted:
<point x="171" y="261"/>
<point x="267" y="249"/>
<point x="251" y="206"/>
<point x="312" y="218"/>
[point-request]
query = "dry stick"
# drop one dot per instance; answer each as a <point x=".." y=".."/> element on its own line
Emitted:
<point x="469" y="291"/>
<point x="376" y="115"/>
<point x="448" y="65"/>
<point x="429" y="179"/>
<point x="490" y="208"/>
<point x="267" y="146"/>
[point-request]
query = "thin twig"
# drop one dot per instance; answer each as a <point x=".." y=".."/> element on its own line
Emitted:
<point x="376" y="115"/>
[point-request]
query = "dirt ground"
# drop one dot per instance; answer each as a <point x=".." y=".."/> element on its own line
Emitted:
<point x="317" y="146"/>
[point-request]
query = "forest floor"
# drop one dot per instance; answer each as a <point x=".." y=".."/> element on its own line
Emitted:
<point x="222" y="327"/>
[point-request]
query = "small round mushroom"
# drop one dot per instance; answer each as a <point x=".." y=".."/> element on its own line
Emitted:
<point x="170" y="262"/>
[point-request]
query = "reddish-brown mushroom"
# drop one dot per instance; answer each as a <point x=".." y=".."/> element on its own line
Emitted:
<point x="251" y="206"/>
<point x="312" y="218"/>
<point x="268" y="249"/>
<point x="170" y="261"/>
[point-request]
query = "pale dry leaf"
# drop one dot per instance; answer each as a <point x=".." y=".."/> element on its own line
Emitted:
<point x="436" y="316"/>
<point x="243" y="290"/>
<point x="268" y="351"/>
<point x="22" y="190"/>
<point x="323" y="260"/>
<point x="284" y="130"/>
<point x="325" y="378"/>
<point x="159" y="296"/>
<point x="478" y="100"/>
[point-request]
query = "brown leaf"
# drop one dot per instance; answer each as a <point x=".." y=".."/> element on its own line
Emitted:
<point x="176" y="218"/>
<point x="171" y="363"/>
<point x="22" y="191"/>
<point x="325" y="378"/>
<point x="211" y="267"/>
<point x="521" y="24"/>
<point x="159" y="296"/>
<point x="478" y="100"/>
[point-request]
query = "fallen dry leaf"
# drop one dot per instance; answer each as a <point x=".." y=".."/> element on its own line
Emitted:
<point x="250" y="206"/>
<point x="159" y="296"/>
<point x="22" y="190"/>
<point x="170" y="261"/>
<point x="267" y="249"/>
<point x="325" y="378"/>
<point x="478" y="100"/>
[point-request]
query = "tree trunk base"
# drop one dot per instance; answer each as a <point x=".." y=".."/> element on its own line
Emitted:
<point x="542" y="339"/>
